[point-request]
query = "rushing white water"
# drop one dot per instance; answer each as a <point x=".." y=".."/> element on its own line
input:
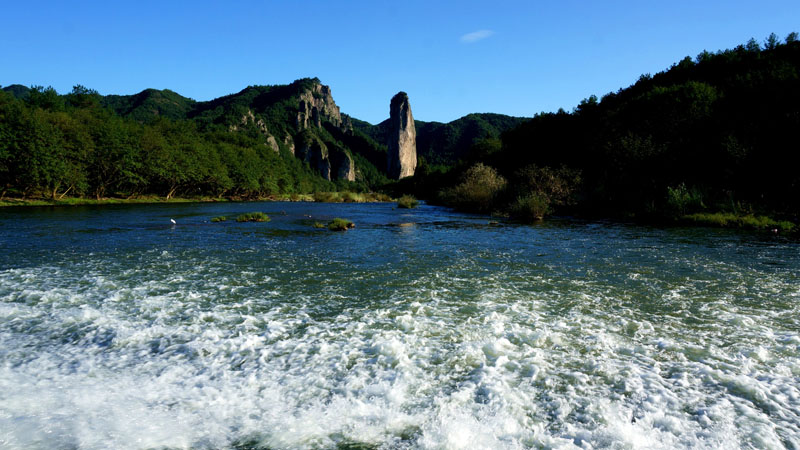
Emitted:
<point x="515" y="337"/>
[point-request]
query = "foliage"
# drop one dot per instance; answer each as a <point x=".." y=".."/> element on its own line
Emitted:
<point x="326" y="197"/>
<point x="219" y="219"/>
<point x="724" y="220"/>
<point x="339" y="224"/>
<point x="160" y="143"/>
<point x="350" y="197"/>
<point x="681" y="200"/>
<point x="478" y="191"/>
<point x="554" y="186"/>
<point x="407" y="202"/>
<point x="318" y="225"/>
<point x="253" y="217"/>
<point x="708" y="132"/>
<point x="530" y="208"/>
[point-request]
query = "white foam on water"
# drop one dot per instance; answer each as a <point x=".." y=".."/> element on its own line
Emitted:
<point x="189" y="359"/>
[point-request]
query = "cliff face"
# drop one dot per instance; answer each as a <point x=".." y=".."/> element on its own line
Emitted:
<point x="402" y="142"/>
<point x="250" y="119"/>
<point x="313" y="151"/>
<point x="316" y="105"/>
<point x="332" y="162"/>
<point x="343" y="166"/>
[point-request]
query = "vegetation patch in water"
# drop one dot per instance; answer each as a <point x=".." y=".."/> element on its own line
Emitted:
<point x="219" y="219"/>
<point x="318" y="225"/>
<point x="339" y="224"/>
<point x="253" y="217"/>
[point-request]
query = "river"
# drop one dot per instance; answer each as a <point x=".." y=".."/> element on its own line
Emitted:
<point x="418" y="328"/>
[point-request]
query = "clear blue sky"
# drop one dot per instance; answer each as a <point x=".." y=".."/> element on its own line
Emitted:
<point x="451" y="57"/>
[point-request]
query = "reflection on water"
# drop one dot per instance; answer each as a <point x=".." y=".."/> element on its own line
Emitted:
<point x="416" y="329"/>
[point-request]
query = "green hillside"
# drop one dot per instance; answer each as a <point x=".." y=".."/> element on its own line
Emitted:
<point x="149" y="104"/>
<point x="264" y="140"/>
<point x="17" y="90"/>
<point x="715" y="133"/>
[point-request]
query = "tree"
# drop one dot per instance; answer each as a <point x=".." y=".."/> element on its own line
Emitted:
<point x="771" y="42"/>
<point x="83" y="97"/>
<point x="46" y="98"/>
<point x="40" y="163"/>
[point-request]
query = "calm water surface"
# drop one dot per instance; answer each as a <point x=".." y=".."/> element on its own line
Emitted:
<point x="417" y="329"/>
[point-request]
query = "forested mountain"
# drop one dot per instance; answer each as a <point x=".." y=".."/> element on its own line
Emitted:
<point x="720" y="132"/>
<point x="149" y="104"/>
<point x="18" y="91"/>
<point x="263" y="140"/>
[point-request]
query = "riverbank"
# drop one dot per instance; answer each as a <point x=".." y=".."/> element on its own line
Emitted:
<point x="730" y="220"/>
<point x="328" y="197"/>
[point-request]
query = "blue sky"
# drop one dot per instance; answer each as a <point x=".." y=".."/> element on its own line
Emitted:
<point x="452" y="58"/>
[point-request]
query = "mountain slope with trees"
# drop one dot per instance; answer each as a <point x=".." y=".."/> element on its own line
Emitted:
<point x="262" y="141"/>
<point x="717" y="133"/>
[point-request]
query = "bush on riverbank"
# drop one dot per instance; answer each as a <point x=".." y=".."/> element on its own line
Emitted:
<point x="478" y="191"/>
<point x="407" y="202"/>
<point x="350" y="197"/>
<point x="530" y="208"/>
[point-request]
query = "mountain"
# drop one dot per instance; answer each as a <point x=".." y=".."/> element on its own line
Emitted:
<point x="17" y="90"/>
<point x="150" y="103"/>
<point x="260" y="141"/>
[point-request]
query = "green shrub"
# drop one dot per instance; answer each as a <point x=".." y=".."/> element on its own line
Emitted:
<point x="681" y="200"/>
<point x="253" y="217"/>
<point x="219" y="219"/>
<point x="407" y="202"/>
<point x="318" y="225"/>
<point x="478" y="190"/>
<point x="530" y="208"/>
<point x="327" y="197"/>
<point x="338" y="224"/>
<point x="558" y="186"/>
<point x="351" y="197"/>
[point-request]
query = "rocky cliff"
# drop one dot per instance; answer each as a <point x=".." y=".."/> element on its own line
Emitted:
<point x="402" y="142"/>
<point x="331" y="161"/>
<point x="316" y="105"/>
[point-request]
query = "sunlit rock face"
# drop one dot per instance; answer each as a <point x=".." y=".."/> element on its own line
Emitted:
<point x="402" y="156"/>
<point x="316" y="104"/>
